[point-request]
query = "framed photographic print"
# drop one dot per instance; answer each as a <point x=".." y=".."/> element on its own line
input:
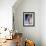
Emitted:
<point x="28" y="19"/>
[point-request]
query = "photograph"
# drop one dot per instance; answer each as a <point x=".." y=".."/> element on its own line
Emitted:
<point x="28" y="18"/>
<point x="22" y="22"/>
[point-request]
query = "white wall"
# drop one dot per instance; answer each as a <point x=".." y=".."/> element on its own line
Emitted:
<point x="32" y="33"/>
<point x="6" y="13"/>
<point x="43" y="22"/>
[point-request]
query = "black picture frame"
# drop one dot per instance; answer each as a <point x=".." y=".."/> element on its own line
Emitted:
<point x="28" y="19"/>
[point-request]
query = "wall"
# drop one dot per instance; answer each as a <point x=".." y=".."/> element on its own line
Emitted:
<point x="6" y="13"/>
<point x="43" y="22"/>
<point x="32" y="33"/>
